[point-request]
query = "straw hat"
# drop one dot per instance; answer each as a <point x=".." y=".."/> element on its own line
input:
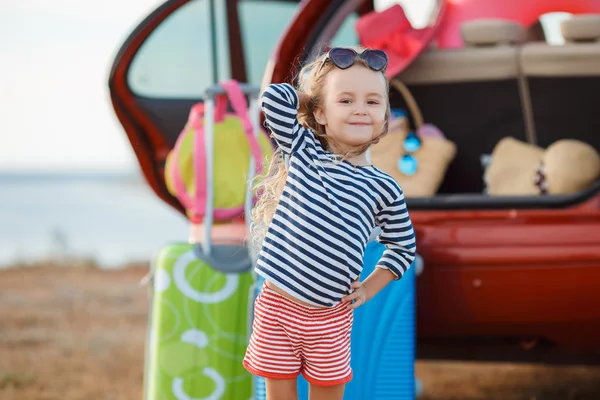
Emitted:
<point x="512" y="169"/>
<point x="522" y="169"/>
<point x="570" y="166"/>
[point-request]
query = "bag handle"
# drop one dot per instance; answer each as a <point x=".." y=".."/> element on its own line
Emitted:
<point x="411" y="103"/>
<point x="197" y="112"/>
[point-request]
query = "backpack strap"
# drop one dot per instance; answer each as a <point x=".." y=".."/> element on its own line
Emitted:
<point x="237" y="99"/>
<point x="195" y="204"/>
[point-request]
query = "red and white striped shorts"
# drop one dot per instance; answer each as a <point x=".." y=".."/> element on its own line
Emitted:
<point x="289" y="338"/>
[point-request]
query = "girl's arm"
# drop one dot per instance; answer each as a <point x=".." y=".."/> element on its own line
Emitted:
<point x="398" y="236"/>
<point x="280" y="103"/>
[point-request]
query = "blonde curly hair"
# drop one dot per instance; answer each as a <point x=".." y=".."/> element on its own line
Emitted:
<point x="269" y="187"/>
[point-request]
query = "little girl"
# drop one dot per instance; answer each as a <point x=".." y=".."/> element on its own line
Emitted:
<point x="314" y="218"/>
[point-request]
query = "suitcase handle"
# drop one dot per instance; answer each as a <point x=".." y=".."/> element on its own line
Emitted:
<point x="212" y="91"/>
<point x="217" y="259"/>
<point x="229" y="259"/>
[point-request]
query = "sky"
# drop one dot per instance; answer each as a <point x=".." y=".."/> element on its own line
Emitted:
<point x="55" y="59"/>
<point x="56" y="56"/>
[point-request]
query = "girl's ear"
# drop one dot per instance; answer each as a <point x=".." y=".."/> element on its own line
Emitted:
<point x="320" y="116"/>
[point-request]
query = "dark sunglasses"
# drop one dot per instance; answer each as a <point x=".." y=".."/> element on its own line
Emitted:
<point x="343" y="58"/>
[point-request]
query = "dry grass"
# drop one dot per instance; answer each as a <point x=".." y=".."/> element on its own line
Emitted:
<point x="75" y="333"/>
<point x="72" y="334"/>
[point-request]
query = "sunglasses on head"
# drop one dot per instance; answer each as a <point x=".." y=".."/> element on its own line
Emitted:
<point x="344" y="58"/>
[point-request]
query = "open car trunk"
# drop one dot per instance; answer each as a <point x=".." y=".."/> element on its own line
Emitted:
<point x="495" y="267"/>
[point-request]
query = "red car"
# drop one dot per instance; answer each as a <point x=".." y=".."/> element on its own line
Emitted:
<point x="501" y="273"/>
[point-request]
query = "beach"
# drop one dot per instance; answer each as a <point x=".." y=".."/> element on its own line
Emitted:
<point x="71" y="330"/>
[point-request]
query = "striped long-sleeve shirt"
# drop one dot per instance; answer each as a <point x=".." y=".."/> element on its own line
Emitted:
<point x="314" y="246"/>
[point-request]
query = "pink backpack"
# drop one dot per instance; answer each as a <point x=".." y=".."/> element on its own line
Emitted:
<point x="217" y="154"/>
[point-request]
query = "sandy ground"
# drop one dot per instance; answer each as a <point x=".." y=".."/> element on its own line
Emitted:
<point x="79" y="333"/>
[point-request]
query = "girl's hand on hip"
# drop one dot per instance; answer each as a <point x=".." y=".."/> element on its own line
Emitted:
<point x="358" y="297"/>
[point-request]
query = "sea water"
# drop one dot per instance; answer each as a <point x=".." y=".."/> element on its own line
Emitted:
<point x="111" y="218"/>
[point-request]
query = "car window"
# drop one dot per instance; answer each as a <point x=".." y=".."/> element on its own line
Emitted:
<point x="175" y="60"/>
<point x="262" y="24"/>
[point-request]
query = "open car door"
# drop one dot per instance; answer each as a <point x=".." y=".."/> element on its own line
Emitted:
<point x="175" y="53"/>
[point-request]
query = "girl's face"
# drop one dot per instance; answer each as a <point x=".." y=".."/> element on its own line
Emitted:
<point x="354" y="106"/>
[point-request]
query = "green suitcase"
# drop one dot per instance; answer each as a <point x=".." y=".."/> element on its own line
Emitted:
<point x="199" y="328"/>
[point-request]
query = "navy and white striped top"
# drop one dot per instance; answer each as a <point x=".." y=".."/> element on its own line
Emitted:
<point x="315" y="244"/>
